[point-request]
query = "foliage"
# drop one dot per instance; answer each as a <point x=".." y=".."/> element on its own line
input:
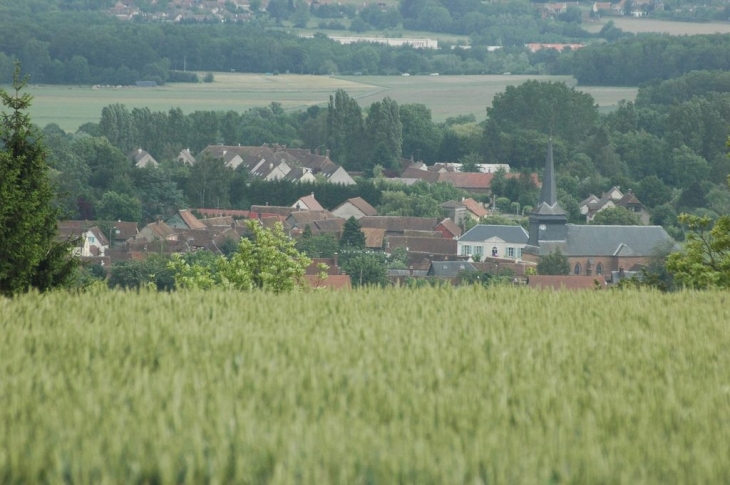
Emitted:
<point x="470" y="162"/>
<point x="366" y="268"/>
<point x="352" y="236"/>
<point x="304" y="386"/>
<point x="319" y="246"/>
<point x="30" y="255"/>
<point x="398" y="203"/>
<point x="267" y="260"/>
<point x="616" y="216"/>
<point x="704" y="262"/>
<point x="151" y="272"/>
<point x="554" y="263"/>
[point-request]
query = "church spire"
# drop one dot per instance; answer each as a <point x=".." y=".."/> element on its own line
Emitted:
<point x="548" y="203"/>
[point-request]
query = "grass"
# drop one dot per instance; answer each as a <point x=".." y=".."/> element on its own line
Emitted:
<point x="640" y="25"/>
<point x="399" y="386"/>
<point x="71" y="106"/>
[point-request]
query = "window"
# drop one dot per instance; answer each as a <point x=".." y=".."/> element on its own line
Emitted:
<point x="495" y="252"/>
<point x="519" y="253"/>
<point x="599" y="269"/>
<point x="467" y="250"/>
<point x="91" y="240"/>
<point x="576" y="270"/>
<point x="478" y="250"/>
<point x="510" y="252"/>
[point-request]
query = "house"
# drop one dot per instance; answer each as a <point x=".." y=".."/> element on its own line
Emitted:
<point x="298" y="220"/>
<point x="92" y="242"/>
<point x="593" y="249"/>
<point x="398" y="225"/>
<point x="184" y="219"/>
<point x="449" y="229"/>
<point x="374" y="237"/>
<point x="475" y="209"/>
<point x="435" y="246"/>
<point x="356" y="207"/>
<point x="156" y="231"/>
<point x="185" y="157"/>
<point x="450" y="269"/>
<point x="569" y="282"/>
<point x="142" y="159"/>
<point x="493" y="241"/>
<point x="308" y="202"/>
<point x="300" y="174"/>
<point x="477" y="183"/>
<point x="592" y="205"/>
<point x="455" y="211"/>
<point x="632" y="204"/>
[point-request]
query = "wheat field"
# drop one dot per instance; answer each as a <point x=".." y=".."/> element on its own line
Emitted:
<point x="376" y="386"/>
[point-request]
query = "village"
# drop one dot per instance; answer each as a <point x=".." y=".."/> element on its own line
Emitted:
<point x="438" y="249"/>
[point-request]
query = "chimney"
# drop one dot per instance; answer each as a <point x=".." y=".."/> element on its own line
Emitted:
<point x="337" y="261"/>
<point x="327" y="153"/>
<point x="139" y="150"/>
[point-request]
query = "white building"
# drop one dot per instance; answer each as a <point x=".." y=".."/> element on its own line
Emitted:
<point x="485" y="241"/>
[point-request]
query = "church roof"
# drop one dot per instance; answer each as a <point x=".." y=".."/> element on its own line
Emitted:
<point x="624" y="241"/>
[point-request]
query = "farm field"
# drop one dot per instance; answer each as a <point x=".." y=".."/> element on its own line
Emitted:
<point x="71" y="106"/>
<point x="378" y="386"/>
<point x="639" y="25"/>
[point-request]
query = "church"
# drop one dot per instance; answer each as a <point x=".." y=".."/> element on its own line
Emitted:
<point x="591" y="250"/>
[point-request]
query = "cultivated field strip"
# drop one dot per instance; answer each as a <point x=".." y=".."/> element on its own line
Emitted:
<point x="378" y="386"/>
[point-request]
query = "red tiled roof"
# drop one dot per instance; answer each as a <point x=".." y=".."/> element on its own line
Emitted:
<point x="569" y="282"/>
<point x="332" y="282"/>
<point x="475" y="207"/>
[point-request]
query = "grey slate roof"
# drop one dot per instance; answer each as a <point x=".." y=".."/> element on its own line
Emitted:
<point x="449" y="269"/>
<point x="625" y="241"/>
<point x="482" y="232"/>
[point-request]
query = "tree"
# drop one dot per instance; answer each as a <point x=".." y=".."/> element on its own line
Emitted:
<point x="384" y="132"/>
<point x="471" y="162"/>
<point x="705" y="260"/>
<point x="352" y="235"/>
<point x="553" y="264"/>
<point x="421" y="138"/>
<point x="30" y="256"/>
<point x="114" y="206"/>
<point x="208" y="182"/>
<point x="267" y="260"/>
<point x="616" y="216"/>
<point x="365" y="268"/>
<point x="345" y="130"/>
<point x="551" y="108"/>
<point x="320" y="246"/>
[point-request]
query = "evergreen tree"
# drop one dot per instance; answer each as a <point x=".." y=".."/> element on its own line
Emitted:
<point x="30" y="256"/>
<point x="352" y="236"/>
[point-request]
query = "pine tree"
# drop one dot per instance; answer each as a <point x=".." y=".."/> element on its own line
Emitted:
<point x="30" y="255"/>
<point x="352" y="237"/>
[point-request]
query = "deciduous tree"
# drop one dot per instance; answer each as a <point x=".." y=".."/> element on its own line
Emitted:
<point x="554" y="263"/>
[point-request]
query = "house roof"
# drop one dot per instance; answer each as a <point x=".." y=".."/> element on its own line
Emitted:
<point x="627" y="241"/>
<point x="190" y="220"/>
<point x="360" y="204"/>
<point x="452" y="204"/>
<point x="186" y="157"/>
<point x="450" y="226"/>
<point x="426" y="245"/>
<point x="475" y="207"/>
<point x="159" y="229"/>
<point x="483" y="232"/>
<point x="331" y="226"/>
<point x="398" y="223"/>
<point x="417" y="173"/>
<point x="297" y="173"/>
<point x="373" y="237"/>
<point x="301" y="218"/>
<point x="567" y="282"/>
<point x="309" y="202"/>
<point x="467" y="180"/>
<point x="449" y="269"/>
<point x="223" y="212"/>
<point x="271" y="209"/>
<point x="332" y="282"/>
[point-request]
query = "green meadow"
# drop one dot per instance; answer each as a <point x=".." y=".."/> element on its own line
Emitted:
<point x="424" y="386"/>
<point x="72" y="106"/>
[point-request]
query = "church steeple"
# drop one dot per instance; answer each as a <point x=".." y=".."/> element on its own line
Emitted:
<point x="548" y="222"/>
<point x="548" y="203"/>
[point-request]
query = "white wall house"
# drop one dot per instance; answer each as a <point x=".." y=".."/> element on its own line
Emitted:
<point x="486" y="241"/>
